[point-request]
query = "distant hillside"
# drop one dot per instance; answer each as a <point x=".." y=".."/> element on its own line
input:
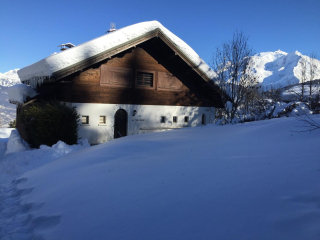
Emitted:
<point x="7" y="110"/>
<point x="281" y="69"/>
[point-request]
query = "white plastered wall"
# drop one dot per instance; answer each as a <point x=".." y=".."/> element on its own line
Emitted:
<point x="146" y="119"/>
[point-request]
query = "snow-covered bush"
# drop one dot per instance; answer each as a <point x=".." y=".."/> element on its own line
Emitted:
<point x="263" y="109"/>
<point x="47" y="123"/>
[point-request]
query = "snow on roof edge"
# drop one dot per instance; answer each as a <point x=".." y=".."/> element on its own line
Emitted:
<point x="46" y="67"/>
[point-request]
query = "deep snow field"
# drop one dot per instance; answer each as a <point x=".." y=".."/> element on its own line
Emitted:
<point x="258" y="180"/>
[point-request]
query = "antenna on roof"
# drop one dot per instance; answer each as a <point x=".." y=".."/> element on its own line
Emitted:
<point x="112" y="27"/>
<point x="65" y="46"/>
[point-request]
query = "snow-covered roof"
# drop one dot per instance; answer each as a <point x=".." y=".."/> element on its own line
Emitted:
<point x="18" y="93"/>
<point x="57" y="62"/>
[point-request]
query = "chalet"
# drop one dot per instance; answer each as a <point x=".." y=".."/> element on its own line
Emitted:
<point x="138" y="79"/>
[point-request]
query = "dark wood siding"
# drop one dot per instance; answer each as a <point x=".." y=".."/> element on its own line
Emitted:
<point x="114" y="81"/>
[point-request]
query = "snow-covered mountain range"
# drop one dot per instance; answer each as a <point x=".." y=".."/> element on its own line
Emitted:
<point x="9" y="78"/>
<point x="281" y="69"/>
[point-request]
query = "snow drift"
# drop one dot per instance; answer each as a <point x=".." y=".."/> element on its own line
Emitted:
<point x="248" y="181"/>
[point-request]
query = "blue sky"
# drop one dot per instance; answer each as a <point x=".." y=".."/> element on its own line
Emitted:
<point x="32" y="30"/>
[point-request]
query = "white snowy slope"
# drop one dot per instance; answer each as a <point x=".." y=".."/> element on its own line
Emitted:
<point x="250" y="181"/>
<point x="280" y="69"/>
<point x="7" y="110"/>
<point x="47" y="66"/>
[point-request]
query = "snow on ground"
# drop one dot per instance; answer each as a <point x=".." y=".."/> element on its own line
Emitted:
<point x="7" y="110"/>
<point x="258" y="180"/>
<point x="16" y="157"/>
<point x="15" y="143"/>
<point x="4" y="137"/>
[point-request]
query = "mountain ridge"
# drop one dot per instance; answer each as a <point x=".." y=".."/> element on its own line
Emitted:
<point x="279" y="69"/>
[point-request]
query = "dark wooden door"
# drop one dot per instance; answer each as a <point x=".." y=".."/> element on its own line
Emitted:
<point x="120" y="123"/>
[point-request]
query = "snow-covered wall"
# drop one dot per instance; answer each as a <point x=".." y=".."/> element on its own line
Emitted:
<point x="146" y="119"/>
<point x="46" y="67"/>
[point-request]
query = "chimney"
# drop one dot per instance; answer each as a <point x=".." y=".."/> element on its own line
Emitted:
<point x="112" y="27"/>
<point x="65" y="46"/>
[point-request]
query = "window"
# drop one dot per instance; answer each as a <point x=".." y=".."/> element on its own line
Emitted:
<point x="175" y="119"/>
<point x="186" y="119"/>
<point x="145" y="79"/>
<point x="102" y="120"/>
<point x="163" y="119"/>
<point x="85" y="120"/>
<point x="203" y="119"/>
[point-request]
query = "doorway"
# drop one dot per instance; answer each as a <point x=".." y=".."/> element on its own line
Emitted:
<point x="120" y="123"/>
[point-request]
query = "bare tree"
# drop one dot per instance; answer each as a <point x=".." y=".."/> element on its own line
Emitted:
<point x="300" y="90"/>
<point x="273" y="93"/>
<point x="309" y="124"/>
<point x="231" y="62"/>
<point x="312" y="85"/>
<point x="307" y="86"/>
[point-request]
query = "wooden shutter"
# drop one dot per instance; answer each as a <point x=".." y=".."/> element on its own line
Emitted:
<point x="167" y="81"/>
<point x="116" y="76"/>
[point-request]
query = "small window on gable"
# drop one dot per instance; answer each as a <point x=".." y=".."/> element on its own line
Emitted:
<point x="102" y="120"/>
<point x="186" y="119"/>
<point x="145" y="79"/>
<point x="163" y="119"/>
<point x="175" y="119"/>
<point x="85" y="120"/>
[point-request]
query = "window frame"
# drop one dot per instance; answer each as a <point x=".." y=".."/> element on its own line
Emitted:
<point x="186" y="119"/>
<point x="105" y="120"/>
<point x="203" y="119"/>
<point x="87" y="120"/>
<point x="163" y="119"/>
<point x="144" y="86"/>
<point x="175" y="119"/>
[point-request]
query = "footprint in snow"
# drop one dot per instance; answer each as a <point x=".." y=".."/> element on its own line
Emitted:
<point x="17" y="220"/>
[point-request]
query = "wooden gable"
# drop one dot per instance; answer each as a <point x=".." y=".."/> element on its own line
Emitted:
<point x="114" y="80"/>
